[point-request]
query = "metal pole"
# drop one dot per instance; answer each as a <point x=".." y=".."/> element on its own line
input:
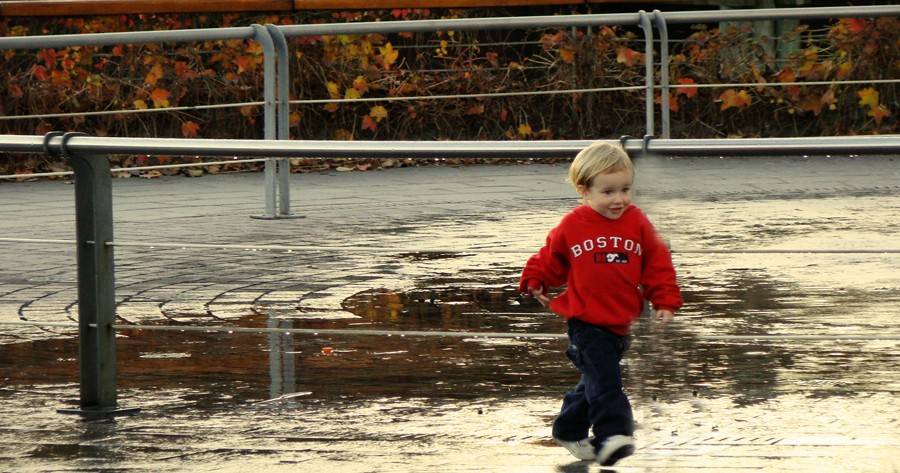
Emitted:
<point x="663" y="71"/>
<point x="283" y="83"/>
<point x="96" y="284"/>
<point x="648" y="64"/>
<point x="261" y="35"/>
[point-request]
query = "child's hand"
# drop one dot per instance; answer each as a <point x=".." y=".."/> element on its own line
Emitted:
<point x="664" y="316"/>
<point x="541" y="297"/>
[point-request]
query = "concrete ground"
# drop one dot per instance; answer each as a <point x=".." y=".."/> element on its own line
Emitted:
<point x="218" y="401"/>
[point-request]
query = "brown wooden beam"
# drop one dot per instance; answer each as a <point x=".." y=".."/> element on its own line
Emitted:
<point x="121" y="7"/>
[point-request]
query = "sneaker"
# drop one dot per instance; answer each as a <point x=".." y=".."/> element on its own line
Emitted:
<point x="614" y="449"/>
<point x="581" y="449"/>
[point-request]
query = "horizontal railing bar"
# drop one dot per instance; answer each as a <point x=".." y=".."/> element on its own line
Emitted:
<point x="413" y="26"/>
<point x="130" y="37"/>
<point x="88" y="145"/>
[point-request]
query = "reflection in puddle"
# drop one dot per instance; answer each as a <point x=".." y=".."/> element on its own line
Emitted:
<point x="669" y="362"/>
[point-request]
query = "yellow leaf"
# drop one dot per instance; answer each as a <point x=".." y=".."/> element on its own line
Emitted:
<point x="351" y="94"/>
<point x="334" y="90"/>
<point x="140" y="105"/>
<point x="868" y="97"/>
<point x="388" y="54"/>
<point x="567" y="55"/>
<point x="378" y="113"/>
<point x="524" y="129"/>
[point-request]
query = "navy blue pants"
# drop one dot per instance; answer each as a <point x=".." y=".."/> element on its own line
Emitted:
<point x="598" y="402"/>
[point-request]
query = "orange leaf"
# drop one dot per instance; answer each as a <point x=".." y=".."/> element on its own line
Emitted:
<point x="368" y="123"/>
<point x="567" y="54"/>
<point x="160" y="98"/>
<point x="844" y="71"/>
<point x="812" y="104"/>
<point x="189" y="129"/>
<point x="878" y="113"/>
<point x="730" y="98"/>
<point x="673" y="102"/>
<point x="476" y="109"/>
<point x="786" y="75"/>
<point x="628" y="56"/>
<point x="184" y="71"/>
<point x="868" y="97"/>
<point x="242" y="63"/>
<point x="155" y="74"/>
<point x="854" y="25"/>
<point x="689" y="91"/>
<point x="360" y="84"/>
<point x="40" y="73"/>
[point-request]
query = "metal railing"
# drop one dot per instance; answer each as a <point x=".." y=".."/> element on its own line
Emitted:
<point x="273" y="39"/>
<point x="89" y="155"/>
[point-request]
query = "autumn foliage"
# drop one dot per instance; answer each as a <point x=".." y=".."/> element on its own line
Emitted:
<point x="376" y="87"/>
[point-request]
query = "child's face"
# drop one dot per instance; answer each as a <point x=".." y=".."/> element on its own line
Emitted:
<point x="609" y="194"/>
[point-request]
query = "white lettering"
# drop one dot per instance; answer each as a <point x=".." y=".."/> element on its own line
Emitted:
<point x="576" y="251"/>
<point x="601" y="242"/>
<point x="588" y="245"/>
<point x="616" y="241"/>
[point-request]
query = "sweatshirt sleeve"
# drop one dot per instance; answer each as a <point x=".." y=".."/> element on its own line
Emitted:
<point x="658" y="273"/>
<point x="548" y="267"/>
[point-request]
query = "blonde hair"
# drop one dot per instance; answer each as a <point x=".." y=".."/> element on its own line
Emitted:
<point x="598" y="158"/>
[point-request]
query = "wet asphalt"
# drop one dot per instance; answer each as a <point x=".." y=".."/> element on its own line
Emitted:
<point x="820" y="396"/>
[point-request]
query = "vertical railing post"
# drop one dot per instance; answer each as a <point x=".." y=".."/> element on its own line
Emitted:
<point x="648" y="75"/>
<point x="270" y="112"/>
<point x="664" y="72"/>
<point x="96" y="284"/>
<point x="283" y="115"/>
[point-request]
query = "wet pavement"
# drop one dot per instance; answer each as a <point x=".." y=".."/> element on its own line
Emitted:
<point x="218" y="401"/>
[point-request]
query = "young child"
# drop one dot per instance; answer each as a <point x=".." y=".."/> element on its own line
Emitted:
<point x="610" y="258"/>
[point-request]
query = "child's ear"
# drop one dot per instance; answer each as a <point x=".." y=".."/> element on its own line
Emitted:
<point x="582" y="190"/>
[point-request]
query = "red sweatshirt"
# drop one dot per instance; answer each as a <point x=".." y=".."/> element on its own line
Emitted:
<point x="608" y="266"/>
